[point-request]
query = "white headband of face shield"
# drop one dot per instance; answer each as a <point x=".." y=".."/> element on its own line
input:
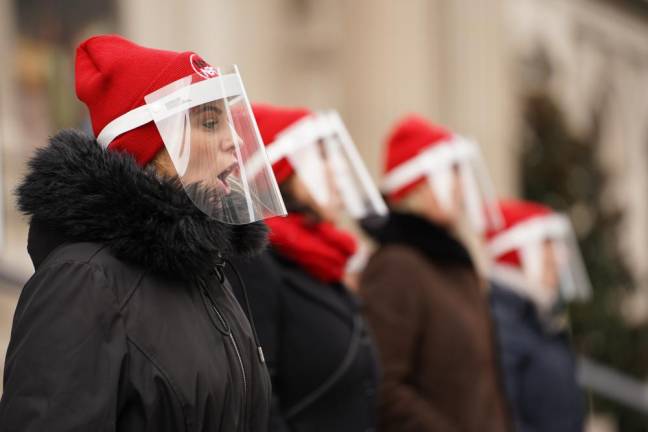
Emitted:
<point x="535" y="230"/>
<point x="438" y="164"/>
<point x="187" y="96"/>
<point x="528" y="239"/>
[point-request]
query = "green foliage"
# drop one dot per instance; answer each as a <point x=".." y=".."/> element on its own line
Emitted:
<point x="562" y="170"/>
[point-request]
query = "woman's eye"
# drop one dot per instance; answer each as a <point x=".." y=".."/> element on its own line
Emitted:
<point x="210" y="124"/>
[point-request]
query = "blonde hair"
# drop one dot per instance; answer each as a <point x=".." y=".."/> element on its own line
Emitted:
<point x="162" y="163"/>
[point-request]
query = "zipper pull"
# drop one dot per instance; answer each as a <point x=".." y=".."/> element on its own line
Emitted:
<point x="219" y="268"/>
<point x="261" y="355"/>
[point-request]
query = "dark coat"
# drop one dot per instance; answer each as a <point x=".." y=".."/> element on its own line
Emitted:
<point x="433" y="329"/>
<point x="125" y="325"/>
<point x="307" y="328"/>
<point x="538" y="365"/>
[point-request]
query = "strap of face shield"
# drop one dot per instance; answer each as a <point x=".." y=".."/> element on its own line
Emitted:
<point x="213" y="88"/>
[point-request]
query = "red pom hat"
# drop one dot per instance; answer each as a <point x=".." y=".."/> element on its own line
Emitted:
<point x="411" y="137"/>
<point x="517" y="250"/>
<point x="514" y="213"/>
<point x="114" y="74"/>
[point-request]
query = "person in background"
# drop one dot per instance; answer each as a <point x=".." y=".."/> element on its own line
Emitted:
<point x="128" y="323"/>
<point x="536" y="269"/>
<point x="321" y="358"/>
<point x="424" y="300"/>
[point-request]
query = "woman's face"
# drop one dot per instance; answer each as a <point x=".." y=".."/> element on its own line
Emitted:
<point x="302" y="194"/>
<point x="211" y="141"/>
<point x="435" y="210"/>
<point x="550" y="274"/>
<point x="334" y="205"/>
<point x="457" y="194"/>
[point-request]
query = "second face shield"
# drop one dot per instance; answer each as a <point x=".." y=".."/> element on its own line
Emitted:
<point x="209" y="132"/>
<point x="326" y="160"/>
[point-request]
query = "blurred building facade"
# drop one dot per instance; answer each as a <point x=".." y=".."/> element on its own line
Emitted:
<point x="463" y="63"/>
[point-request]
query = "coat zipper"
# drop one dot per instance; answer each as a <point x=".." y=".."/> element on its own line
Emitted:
<point x="230" y="335"/>
<point x="236" y="348"/>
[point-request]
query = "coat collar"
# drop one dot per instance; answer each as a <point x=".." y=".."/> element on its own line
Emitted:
<point x="76" y="191"/>
<point x="434" y="241"/>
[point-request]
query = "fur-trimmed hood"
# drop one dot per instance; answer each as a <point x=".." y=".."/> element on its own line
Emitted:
<point x="434" y="241"/>
<point x="88" y="194"/>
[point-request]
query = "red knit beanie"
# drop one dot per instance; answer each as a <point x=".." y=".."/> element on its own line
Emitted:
<point x="273" y="120"/>
<point x="513" y="213"/>
<point x="409" y="137"/>
<point x="114" y="74"/>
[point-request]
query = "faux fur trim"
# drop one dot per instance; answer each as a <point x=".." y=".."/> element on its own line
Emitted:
<point x="434" y="241"/>
<point x="90" y="194"/>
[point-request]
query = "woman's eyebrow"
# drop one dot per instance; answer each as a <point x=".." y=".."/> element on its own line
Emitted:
<point x="208" y="108"/>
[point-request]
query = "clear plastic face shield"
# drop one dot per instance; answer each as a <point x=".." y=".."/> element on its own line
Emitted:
<point x="326" y="160"/>
<point x="209" y="131"/>
<point x="552" y="266"/>
<point x="446" y="164"/>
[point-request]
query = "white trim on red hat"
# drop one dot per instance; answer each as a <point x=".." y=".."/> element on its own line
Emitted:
<point x="187" y="96"/>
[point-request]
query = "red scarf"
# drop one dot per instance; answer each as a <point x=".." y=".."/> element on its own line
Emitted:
<point x="319" y="248"/>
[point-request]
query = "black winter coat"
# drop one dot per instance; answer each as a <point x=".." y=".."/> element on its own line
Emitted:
<point x="308" y="330"/>
<point x="125" y="325"/>
<point x="538" y="366"/>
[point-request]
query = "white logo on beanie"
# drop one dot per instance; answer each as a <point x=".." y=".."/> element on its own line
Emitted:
<point x="201" y="67"/>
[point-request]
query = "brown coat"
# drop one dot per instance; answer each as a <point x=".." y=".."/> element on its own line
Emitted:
<point x="434" y="334"/>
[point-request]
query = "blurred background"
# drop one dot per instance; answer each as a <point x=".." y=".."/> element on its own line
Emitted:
<point x="556" y="92"/>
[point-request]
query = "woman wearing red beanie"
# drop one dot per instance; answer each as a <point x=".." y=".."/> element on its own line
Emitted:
<point x="424" y="299"/>
<point x="320" y="356"/>
<point x="129" y="323"/>
<point x="536" y="269"/>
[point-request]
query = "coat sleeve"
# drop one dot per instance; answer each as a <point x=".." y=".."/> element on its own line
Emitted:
<point x="65" y="354"/>
<point x="515" y="345"/>
<point x="392" y="292"/>
<point x="511" y="355"/>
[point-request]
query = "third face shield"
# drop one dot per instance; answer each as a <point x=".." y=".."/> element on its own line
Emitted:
<point x="444" y="164"/>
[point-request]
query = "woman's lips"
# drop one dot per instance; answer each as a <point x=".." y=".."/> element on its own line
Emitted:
<point x="222" y="177"/>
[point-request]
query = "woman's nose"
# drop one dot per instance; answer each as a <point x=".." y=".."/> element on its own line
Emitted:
<point x="232" y="140"/>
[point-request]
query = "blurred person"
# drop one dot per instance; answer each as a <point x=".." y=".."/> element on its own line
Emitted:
<point x="424" y="299"/>
<point x="321" y="358"/>
<point x="128" y="323"/>
<point x="536" y="269"/>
